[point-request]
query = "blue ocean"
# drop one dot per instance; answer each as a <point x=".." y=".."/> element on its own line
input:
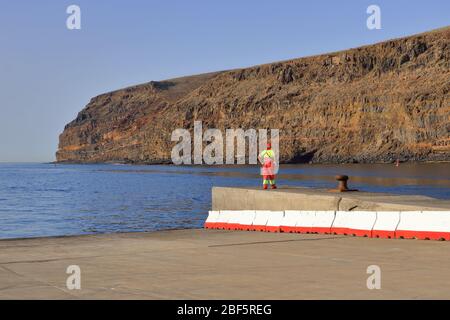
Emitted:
<point x="60" y="199"/>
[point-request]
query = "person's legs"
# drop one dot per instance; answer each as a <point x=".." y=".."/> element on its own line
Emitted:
<point x="272" y="182"/>
<point x="265" y="181"/>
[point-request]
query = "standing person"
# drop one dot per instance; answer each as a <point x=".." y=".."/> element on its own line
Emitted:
<point x="267" y="159"/>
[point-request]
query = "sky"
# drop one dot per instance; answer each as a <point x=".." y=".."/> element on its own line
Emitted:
<point x="48" y="73"/>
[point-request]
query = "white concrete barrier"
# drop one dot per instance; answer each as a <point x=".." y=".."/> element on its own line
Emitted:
<point x="233" y="220"/>
<point x="433" y="225"/>
<point x="211" y="221"/>
<point x="357" y="223"/>
<point x="274" y="221"/>
<point x="322" y="222"/>
<point x="305" y="222"/>
<point x="381" y="224"/>
<point x="260" y="220"/>
<point x="289" y="222"/>
<point x="246" y="219"/>
<point x="341" y="223"/>
<point x="224" y="219"/>
<point x="360" y="223"/>
<point x="386" y="224"/>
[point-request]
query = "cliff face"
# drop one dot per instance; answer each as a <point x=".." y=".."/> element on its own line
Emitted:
<point x="370" y="104"/>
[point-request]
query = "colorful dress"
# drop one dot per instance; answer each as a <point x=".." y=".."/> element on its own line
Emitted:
<point x="267" y="157"/>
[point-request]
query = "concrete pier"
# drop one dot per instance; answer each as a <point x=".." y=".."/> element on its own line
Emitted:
<point x="211" y="264"/>
<point x="297" y="198"/>
<point x="217" y="264"/>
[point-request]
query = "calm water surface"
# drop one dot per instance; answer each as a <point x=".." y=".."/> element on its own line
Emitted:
<point x="47" y="200"/>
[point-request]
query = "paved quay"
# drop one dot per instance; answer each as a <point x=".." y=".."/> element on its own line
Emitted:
<point x="213" y="264"/>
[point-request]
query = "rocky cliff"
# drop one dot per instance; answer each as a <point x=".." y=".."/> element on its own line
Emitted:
<point x="370" y="104"/>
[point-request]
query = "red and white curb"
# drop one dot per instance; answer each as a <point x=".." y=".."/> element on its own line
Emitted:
<point x="433" y="225"/>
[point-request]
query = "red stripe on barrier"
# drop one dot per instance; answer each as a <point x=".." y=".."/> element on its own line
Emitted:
<point x="231" y="226"/>
<point x="272" y="229"/>
<point x="258" y="228"/>
<point x="304" y="229"/>
<point x="245" y="227"/>
<point x="288" y="229"/>
<point x="360" y="233"/>
<point x="383" y="234"/>
<point x="221" y="225"/>
<point x="432" y="235"/>
<point x="344" y="231"/>
<point x="322" y="230"/>
<point x="325" y="230"/>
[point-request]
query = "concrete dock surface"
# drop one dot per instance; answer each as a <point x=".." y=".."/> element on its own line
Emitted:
<point x="213" y="264"/>
<point x="300" y="198"/>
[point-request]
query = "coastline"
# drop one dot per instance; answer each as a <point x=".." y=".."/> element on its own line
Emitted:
<point x="169" y="162"/>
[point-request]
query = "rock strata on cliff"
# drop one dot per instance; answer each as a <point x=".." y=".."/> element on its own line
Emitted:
<point x="371" y="104"/>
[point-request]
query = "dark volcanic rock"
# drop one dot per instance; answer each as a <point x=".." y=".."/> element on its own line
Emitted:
<point x="370" y="104"/>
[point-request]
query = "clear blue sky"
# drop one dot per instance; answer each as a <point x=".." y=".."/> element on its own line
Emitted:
<point x="48" y="73"/>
